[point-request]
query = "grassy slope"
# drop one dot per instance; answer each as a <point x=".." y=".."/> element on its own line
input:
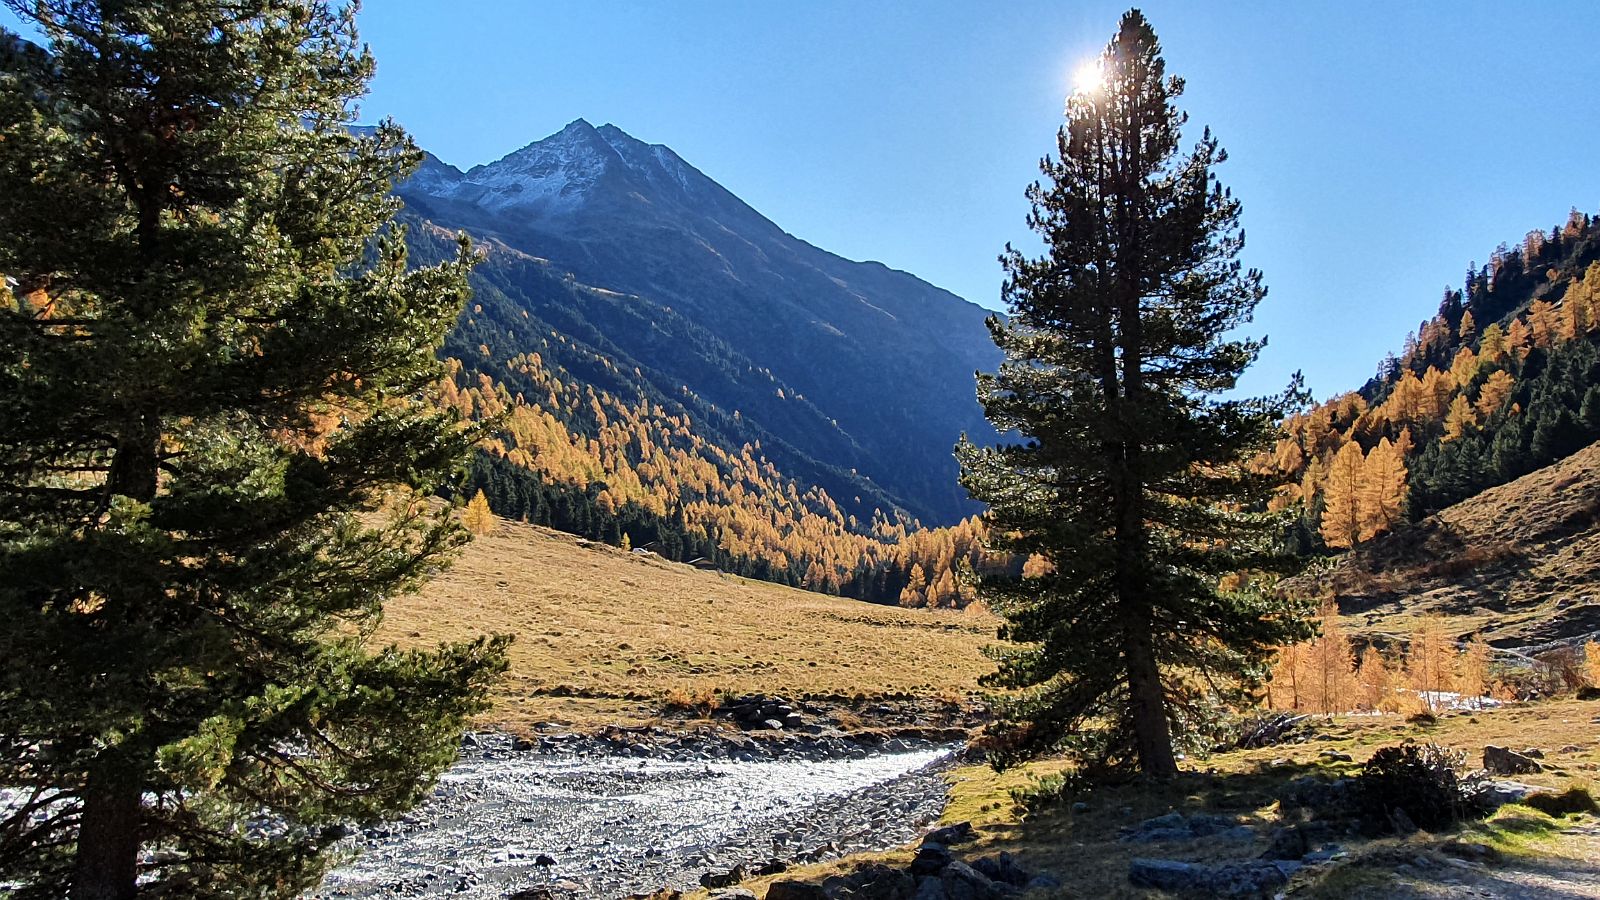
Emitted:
<point x="1520" y="563"/>
<point x="618" y="631"/>
<point x="1083" y="849"/>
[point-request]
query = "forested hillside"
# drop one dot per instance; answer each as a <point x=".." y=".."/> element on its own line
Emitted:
<point x="1503" y="380"/>
<point x="584" y="443"/>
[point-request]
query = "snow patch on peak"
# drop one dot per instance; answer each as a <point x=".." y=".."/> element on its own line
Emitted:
<point x="547" y="176"/>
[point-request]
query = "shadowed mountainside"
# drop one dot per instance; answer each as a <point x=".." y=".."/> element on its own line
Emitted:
<point x="842" y="365"/>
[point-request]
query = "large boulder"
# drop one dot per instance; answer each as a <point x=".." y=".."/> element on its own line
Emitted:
<point x="951" y="835"/>
<point x="1319" y="797"/>
<point x="1246" y="879"/>
<point x="1166" y="874"/>
<point x="930" y="860"/>
<point x="1504" y="761"/>
<point x="872" y="882"/>
<point x="1004" y="868"/>
<point x="962" y="882"/>
<point x="795" y="890"/>
<point x="712" y="880"/>
<point x="1490" y="794"/>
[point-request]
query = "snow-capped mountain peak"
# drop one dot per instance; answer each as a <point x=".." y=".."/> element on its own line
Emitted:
<point x="561" y="173"/>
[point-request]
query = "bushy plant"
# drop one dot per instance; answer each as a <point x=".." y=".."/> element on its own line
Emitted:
<point x="1422" y="781"/>
<point x="1048" y="792"/>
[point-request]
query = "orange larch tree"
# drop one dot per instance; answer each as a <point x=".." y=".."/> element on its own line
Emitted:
<point x="1382" y="495"/>
<point x="1341" y="514"/>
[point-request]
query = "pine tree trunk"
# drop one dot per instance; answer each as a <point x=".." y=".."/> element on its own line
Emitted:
<point x="106" y="867"/>
<point x="1152" y="733"/>
<point x="107" y="856"/>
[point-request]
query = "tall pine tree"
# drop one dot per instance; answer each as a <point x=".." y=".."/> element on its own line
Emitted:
<point x="214" y="453"/>
<point x="1131" y="477"/>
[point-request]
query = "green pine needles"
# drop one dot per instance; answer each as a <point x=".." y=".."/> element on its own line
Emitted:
<point x="1131" y="479"/>
<point x="215" y="453"/>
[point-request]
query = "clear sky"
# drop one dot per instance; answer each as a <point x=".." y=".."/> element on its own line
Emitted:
<point x="1377" y="147"/>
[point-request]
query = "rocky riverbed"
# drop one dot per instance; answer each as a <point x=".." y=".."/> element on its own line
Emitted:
<point x="605" y="817"/>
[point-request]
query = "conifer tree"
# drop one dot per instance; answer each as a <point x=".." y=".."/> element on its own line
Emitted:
<point x="1461" y="419"/>
<point x="1543" y="324"/>
<point x="1341" y="512"/>
<point x="1496" y="388"/>
<point x="1376" y="681"/>
<point x="1518" y="339"/>
<point x="1382" y="494"/>
<point x="1131" y="480"/>
<point x="1472" y="671"/>
<point x="214" y="454"/>
<point x="1330" y="663"/>
<point x="1284" y="689"/>
<point x="1492" y="346"/>
<point x="1430" y="660"/>
<point x="477" y="517"/>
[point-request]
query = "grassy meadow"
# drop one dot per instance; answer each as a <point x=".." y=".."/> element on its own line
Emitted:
<point x="607" y="636"/>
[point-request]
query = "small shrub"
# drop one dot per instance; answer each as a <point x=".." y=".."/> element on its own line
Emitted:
<point x="695" y="698"/>
<point x="1048" y="792"/>
<point x="1422" y="780"/>
<point x="1558" y="672"/>
<point x="1573" y="800"/>
<point x="847" y="720"/>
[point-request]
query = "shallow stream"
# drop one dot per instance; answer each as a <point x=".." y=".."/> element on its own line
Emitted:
<point x="610" y="826"/>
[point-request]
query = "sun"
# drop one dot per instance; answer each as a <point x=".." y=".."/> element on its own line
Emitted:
<point x="1088" y="77"/>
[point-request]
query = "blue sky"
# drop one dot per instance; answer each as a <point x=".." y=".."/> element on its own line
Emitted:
<point x="1377" y="147"/>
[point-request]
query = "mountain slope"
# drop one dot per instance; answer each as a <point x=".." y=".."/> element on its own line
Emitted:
<point x="850" y="365"/>
<point x="1518" y="563"/>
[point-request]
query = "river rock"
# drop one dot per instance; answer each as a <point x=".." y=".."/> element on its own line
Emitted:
<point x="1003" y="868"/>
<point x="951" y="835"/>
<point x="772" y="867"/>
<point x="729" y="878"/>
<point x="930" y="860"/>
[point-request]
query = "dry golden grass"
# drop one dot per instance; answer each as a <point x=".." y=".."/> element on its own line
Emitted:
<point x="605" y="636"/>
